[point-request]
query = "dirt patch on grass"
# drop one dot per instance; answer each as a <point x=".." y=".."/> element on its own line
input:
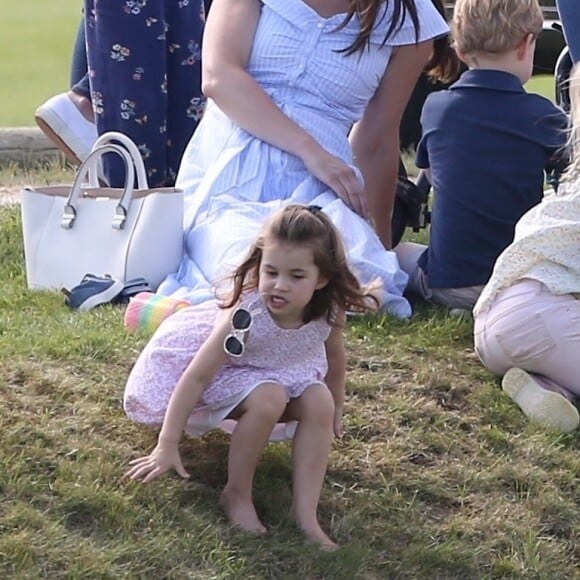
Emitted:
<point x="9" y="195"/>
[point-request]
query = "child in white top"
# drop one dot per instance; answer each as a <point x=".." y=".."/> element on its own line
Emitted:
<point x="527" y="319"/>
<point x="272" y="353"/>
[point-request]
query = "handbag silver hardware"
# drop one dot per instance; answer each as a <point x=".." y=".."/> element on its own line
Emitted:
<point x="120" y="217"/>
<point x="68" y="217"/>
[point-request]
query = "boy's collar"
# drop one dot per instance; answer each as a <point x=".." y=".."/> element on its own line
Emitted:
<point x="481" y="78"/>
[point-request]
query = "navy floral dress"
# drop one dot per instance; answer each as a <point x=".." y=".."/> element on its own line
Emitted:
<point x="145" y="77"/>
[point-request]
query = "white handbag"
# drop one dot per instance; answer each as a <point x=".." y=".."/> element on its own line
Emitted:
<point x="70" y="231"/>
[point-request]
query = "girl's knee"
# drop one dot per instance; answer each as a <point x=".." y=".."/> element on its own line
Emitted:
<point x="267" y="400"/>
<point x="317" y="403"/>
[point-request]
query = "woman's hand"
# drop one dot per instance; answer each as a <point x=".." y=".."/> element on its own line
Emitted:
<point x="340" y="177"/>
<point x="160" y="460"/>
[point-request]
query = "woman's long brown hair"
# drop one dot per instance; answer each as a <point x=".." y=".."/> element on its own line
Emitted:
<point x="442" y="66"/>
<point x="368" y="11"/>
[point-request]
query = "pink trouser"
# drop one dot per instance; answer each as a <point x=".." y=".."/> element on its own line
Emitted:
<point x="529" y="327"/>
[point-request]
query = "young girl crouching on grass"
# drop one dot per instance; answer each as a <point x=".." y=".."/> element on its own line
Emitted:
<point x="273" y="353"/>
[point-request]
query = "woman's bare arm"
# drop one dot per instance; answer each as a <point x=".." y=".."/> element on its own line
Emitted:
<point x="375" y="138"/>
<point x="227" y="44"/>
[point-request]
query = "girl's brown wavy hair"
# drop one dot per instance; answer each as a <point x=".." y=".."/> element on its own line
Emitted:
<point x="308" y="226"/>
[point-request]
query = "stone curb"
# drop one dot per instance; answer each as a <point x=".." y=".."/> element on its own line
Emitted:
<point x="26" y="146"/>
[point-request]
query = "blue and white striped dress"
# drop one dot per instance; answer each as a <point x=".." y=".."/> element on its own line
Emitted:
<point x="233" y="180"/>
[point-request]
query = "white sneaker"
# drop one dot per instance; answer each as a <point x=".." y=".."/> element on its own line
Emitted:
<point x="547" y="408"/>
<point x="61" y="121"/>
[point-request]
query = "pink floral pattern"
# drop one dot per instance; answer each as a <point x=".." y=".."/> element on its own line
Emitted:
<point x="293" y="358"/>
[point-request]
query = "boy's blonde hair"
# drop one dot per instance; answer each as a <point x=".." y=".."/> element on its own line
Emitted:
<point x="494" y="26"/>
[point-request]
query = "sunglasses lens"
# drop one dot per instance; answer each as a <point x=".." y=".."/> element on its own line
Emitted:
<point x="241" y="319"/>
<point x="234" y="346"/>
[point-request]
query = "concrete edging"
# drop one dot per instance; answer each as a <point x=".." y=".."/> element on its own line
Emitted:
<point x="26" y="146"/>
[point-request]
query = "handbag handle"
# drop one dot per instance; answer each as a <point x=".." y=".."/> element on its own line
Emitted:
<point x="116" y="137"/>
<point x="70" y="208"/>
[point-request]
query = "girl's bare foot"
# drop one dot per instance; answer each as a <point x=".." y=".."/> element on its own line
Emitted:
<point x="241" y="513"/>
<point x="317" y="536"/>
<point x="314" y="533"/>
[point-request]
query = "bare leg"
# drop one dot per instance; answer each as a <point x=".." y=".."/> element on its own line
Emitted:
<point x="256" y="418"/>
<point x="83" y="104"/>
<point x="314" y="412"/>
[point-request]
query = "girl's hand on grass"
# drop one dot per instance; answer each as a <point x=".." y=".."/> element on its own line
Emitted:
<point x="161" y="460"/>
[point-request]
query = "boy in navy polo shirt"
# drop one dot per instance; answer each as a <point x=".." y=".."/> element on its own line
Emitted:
<point x="485" y="145"/>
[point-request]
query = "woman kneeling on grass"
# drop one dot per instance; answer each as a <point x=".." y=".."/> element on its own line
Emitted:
<point x="272" y="353"/>
<point x="527" y="320"/>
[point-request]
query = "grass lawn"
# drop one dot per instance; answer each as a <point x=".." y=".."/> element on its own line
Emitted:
<point x="438" y="476"/>
<point x="542" y="84"/>
<point x="35" y="51"/>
